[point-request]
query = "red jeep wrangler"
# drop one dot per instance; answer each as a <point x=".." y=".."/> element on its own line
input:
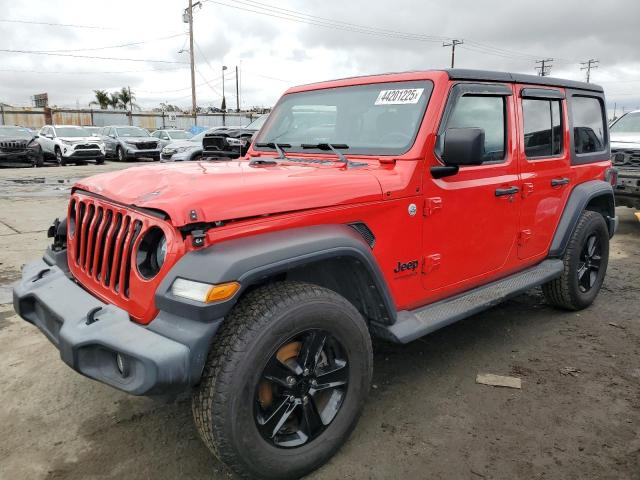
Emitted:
<point x="388" y="205"/>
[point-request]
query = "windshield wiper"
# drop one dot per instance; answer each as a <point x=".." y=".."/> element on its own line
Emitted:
<point x="334" y="148"/>
<point x="277" y="146"/>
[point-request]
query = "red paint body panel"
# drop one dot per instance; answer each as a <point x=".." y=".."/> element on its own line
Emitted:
<point x="462" y="234"/>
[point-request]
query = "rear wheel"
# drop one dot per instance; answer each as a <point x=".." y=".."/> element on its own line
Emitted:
<point x="585" y="265"/>
<point x="285" y="381"/>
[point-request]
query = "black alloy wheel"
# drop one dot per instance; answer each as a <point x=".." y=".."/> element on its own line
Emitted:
<point x="589" y="264"/>
<point x="301" y="389"/>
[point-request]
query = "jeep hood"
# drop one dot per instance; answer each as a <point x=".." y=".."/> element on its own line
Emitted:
<point x="231" y="190"/>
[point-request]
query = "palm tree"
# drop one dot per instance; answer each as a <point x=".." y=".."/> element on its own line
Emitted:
<point x="114" y="100"/>
<point x="127" y="98"/>
<point x="102" y="99"/>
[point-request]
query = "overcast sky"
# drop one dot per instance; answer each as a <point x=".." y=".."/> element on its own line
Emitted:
<point x="356" y="37"/>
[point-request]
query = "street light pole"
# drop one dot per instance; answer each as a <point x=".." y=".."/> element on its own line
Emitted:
<point x="224" y="100"/>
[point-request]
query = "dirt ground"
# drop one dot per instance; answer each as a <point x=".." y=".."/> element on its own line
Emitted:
<point x="577" y="415"/>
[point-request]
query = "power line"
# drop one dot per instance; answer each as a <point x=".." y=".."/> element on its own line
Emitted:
<point x="34" y="52"/>
<point x="108" y="72"/>
<point x="122" y="45"/>
<point x="296" y="16"/>
<point x="588" y="65"/>
<point x="51" y="24"/>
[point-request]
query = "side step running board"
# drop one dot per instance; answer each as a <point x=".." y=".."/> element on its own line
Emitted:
<point x="416" y="323"/>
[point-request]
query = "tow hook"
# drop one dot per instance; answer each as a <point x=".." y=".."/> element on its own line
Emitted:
<point x="197" y="238"/>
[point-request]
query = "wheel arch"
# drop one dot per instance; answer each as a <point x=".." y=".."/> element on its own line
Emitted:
<point x="594" y="195"/>
<point x="332" y="256"/>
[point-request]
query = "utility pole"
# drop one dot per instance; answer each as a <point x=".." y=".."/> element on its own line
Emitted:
<point x="130" y="107"/>
<point x="453" y="44"/>
<point x="588" y="65"/>
<point x="237" y="92"/>
<point x="545" y="66"/>
<point x="188" y="18"/>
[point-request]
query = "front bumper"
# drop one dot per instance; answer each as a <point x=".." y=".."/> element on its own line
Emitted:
<point x="85" y="155"/>
<point x="22" y="156"/>
<point x="133" y="153"/>
<point x="166" y="356"/>
<point x="627" y="190"/>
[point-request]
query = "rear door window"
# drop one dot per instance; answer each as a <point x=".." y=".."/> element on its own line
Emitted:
<point x="542" y="127"/>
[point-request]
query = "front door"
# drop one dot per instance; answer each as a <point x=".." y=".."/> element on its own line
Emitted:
<point x="544" y="166"/>
<point x="471" y="218"/>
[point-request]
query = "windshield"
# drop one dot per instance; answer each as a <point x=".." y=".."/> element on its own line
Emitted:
<point x="180" y="135"/>
<point x="375" y="119"/>
<point x="630" y="123"/>
<point x="72" y="132"/>
<point x="257" y="123"/>
<point x="15" y="132"/>
<point x="132" y="132"/>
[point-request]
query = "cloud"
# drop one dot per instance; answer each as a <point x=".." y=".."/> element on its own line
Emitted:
<point x="275" y="53"/>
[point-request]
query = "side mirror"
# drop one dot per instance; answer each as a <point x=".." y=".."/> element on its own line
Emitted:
<point x="36" y="136"/>
<point x="463" y="146"/>
<point x="49" y="136"/>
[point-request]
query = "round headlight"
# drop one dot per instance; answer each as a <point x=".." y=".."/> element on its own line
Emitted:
<point x="151" y="253"/>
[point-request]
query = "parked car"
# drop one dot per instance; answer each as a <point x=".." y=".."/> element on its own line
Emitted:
<point x="166" y="136"/>
<point x="184" y="150"/>
<point x="406" y="202"/>
<point x="625" y="153"/>
<point x="18" y="146"/>
<point x="70" y="144"/>
<point x="130" y="143"/>
<point x="231" y="142"/>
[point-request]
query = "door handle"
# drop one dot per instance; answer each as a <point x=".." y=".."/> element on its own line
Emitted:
<point x="558" y="182"/>
<point x="503" y="192"/>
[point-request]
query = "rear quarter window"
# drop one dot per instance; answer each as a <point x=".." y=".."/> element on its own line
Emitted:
<point x="590" y="136"/>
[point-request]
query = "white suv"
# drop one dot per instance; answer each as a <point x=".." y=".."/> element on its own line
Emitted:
<point x="70" y="144"/>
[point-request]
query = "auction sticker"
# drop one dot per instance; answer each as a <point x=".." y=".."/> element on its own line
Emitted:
<point x="399" y="96"/>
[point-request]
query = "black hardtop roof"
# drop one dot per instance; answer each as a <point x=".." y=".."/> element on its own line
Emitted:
<point x="487" y="75"/>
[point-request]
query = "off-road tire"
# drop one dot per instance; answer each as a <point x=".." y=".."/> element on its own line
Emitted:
<point x="223" y="402"/>
<point x="564" y="291"/>
<point x="120" y="156"/>
<point x="60" y="160"/>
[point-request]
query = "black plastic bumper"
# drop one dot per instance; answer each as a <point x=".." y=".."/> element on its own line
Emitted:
<point x="165" y="356"/>
<point x="627" y="190"/>
<point x="25" y="156"/>
<point x="132" y="154"/>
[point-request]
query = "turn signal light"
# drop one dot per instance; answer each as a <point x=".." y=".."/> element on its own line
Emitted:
<point x="203" y="292"/>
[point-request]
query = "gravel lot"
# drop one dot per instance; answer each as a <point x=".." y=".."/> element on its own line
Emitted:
<point x="577" y="415"/>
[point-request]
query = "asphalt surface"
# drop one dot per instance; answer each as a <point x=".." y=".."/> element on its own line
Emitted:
<point x="576" y="416"/>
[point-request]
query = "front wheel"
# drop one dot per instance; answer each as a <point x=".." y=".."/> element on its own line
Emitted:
<point x="60" y="160"/>
<point x="285" y="381"/>
<point x="120" y="154"/>
<point x="585" y="265"/>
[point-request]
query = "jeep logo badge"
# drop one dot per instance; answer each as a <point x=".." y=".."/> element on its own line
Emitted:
<point x="403" y="267"/>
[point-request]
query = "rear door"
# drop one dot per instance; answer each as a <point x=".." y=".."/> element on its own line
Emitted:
<point x="544" y="159"/>
<point x="471" y="218"/>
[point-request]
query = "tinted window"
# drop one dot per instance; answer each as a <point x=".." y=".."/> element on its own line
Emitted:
<point x="542" y="127"/>
<point x="588" y="125"/>
<point x="376" y="119"/>
<point x="482" y="112"/>
<point x="629" y="123"/>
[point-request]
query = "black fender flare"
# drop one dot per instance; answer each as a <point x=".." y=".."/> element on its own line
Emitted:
<point x="581" y="196"/>
<point x="252" y="260"/>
